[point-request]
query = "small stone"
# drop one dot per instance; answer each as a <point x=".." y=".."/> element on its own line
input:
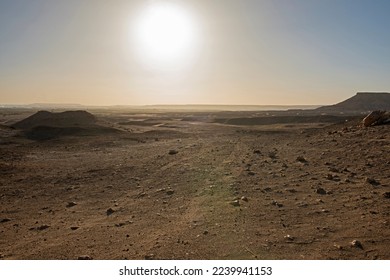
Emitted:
<point x="301" y="159"/>
<point x="206" y="232"/>
<point x="71" y="204"/>
<point x="372" y="181"/>
<point x="386" y="194"/>
<point x="170" y="192"/>
<point x="244" y="198"/>
<point x="357" y="244"/>
<point x="84" y="257"/>
<point x="277" y="203"/>
<point x="121" y="224"/>
<point x="302" y="204"/>
<point x="5" y="220"/>
<point x="110" y="211"/>
<point x="333" y="169"/>
<point x="149" y="257"/>
<point x="272" y="155"/>
<point x="257" y="152"/>
<point x="289" y="237"/>
<point x="251" y="173"/>
<point x="291" y="190"/>
<point x="235" y="203"/>
<point x="172" y="152"/>
<point x="338" y="246"/>
<point x="42" y="227"/>
<point x="74" y="228"/>
<point x="320" y="191"/>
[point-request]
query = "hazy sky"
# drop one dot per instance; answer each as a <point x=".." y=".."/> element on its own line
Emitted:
<point x="243" y="52"/>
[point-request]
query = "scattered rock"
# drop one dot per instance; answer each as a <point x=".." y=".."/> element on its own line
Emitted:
<point x="149" y="257"/>
<point x="244" y="198"/>
<point x="386" y="194"/>
<point x="257" y="152"/>
<point x="320" y="191"/>
<point x="357" y="244"/>
<point x="121" y="224"/>
<point x="291" y="190"/>
<point x="375" y="118"/>
<point x="71" y="204"/>
<point x="110" y="211"/>
<point x="333" y="169"/>
<point x="235" y="203"/>
<point x="333" y="178"/>
<point x="74" y="228"/>
<point x="272" y="155"/>
<point x="170" y="192"/>
<point x="251" y="173"/>
<point x="302" y="204"/>
<point x="277" y="203"/>
<point x="206" y="232"/>
<point x="5" y="220"/>
<point x="301" y="159"/>
<point x="338" y="246"/>
<point x="172" y="152"/>
<point x="42" y="227"/>
<point x="142" y="194"/>
<point x="289" y="237"/>
<point x="372" y="181"/>
<point x="84" y="257"/>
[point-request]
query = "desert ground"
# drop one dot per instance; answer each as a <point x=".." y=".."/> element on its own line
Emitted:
<point x="194" y="185"/>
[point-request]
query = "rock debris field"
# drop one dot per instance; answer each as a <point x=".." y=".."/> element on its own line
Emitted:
<point x="171" y="185"/>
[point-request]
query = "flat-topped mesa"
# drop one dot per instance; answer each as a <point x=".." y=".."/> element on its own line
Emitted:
<point x="371" y="93"/>
<point x="362" y="102"/>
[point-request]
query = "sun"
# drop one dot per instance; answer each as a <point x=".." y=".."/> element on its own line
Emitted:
<point x="165" y="34"/>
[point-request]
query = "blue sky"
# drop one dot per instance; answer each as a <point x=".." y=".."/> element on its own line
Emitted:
<point x="249" y="52"/>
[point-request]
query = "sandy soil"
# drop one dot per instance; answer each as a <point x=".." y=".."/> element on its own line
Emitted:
<point x="181" y="186"/>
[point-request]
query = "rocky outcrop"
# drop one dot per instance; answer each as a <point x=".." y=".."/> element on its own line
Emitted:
<point x="362" y="102"/>
<point x="376" y="118"/>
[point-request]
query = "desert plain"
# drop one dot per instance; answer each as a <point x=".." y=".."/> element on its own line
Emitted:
<point x="160" y="184"/>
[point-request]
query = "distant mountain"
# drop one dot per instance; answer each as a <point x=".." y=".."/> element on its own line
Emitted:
<point x="362" y="102"/>
<point x="54" y="105"/>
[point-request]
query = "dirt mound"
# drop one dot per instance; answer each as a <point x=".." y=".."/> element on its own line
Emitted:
<point x="45" y="125"/>
<point x="362" y="102"/>
<point x="63" y="119"/>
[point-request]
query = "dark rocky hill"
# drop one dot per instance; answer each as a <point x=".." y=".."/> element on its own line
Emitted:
<point x="45" y="125"/>
<point x="362" y="102"/>
<point x="63" y="119"/>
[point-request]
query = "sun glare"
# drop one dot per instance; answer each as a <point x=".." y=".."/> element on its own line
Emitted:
<point x="164" y="34"/>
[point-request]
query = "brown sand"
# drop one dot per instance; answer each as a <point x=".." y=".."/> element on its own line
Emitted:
<point x="182" y="186"/>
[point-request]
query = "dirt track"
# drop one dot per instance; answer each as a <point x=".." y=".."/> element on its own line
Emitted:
<point x="311" y="190"/>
